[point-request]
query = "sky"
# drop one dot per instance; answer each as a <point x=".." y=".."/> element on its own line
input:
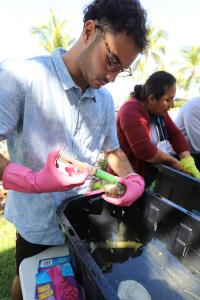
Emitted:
<point x="180" y="19"/>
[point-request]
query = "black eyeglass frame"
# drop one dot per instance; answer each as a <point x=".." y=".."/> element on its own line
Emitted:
<point x="113" y="63"/>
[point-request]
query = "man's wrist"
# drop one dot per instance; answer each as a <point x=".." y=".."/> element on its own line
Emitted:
<point x="184" y="154"/>
<point x="131" y="174"/>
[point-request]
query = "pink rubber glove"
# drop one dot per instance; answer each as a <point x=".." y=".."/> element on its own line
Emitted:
<point x="64" y="289"/>
<point x="49" y="179"/>
<point x="92" y="193"/>
<point x="134" y="185"/>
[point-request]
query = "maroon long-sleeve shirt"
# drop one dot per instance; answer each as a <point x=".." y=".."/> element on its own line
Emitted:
<point x="133" y="128"/>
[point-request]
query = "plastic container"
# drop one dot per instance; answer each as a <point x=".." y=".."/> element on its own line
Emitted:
<point x="176" y="186"/>
<point x="196" y="157"/>
<point x="154" y="242"/>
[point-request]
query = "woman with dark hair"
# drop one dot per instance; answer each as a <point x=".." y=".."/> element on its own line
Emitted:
<point x="145" y="130"/>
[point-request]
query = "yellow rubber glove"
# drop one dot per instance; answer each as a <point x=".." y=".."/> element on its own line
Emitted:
<point x="188" y="165"/>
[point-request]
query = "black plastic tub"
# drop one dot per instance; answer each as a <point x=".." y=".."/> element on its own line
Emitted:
<point x="176" y="186"/>
<point x="154" y="242"/>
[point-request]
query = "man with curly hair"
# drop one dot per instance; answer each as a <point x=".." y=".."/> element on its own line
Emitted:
<point x="55" y="100"/>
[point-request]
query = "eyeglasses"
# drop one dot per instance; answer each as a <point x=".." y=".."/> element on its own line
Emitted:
<point x="113" y="63"/>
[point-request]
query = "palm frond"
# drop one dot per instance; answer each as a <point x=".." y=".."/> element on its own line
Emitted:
<point x="53" y="34"/>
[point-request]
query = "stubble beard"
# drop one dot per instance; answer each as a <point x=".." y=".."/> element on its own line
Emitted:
<point x="86" y="65"/>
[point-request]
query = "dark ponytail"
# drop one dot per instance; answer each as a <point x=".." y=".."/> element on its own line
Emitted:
<point x="138" y="92"/>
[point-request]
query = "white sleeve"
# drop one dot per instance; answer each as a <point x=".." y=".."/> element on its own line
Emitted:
<point x="191" y="124"/>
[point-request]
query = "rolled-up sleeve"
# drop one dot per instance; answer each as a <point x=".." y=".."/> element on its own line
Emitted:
<point x="10" y="97"/>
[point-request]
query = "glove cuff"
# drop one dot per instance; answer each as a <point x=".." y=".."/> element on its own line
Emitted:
<point x="18" y="178"/>
<point x="131" y="174"/>
<point x="134" y="175"/>
<point x="187" y="160"/>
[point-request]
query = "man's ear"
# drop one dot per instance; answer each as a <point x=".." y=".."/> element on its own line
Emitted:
<point x="89" y="30"/>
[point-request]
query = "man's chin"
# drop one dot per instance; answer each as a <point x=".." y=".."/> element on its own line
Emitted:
<point x="96" y="84"/>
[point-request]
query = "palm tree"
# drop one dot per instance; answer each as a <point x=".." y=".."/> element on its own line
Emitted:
<point x="153" y="57"/>
<point x="54" y="34"/>
<point x="188" y="74"/>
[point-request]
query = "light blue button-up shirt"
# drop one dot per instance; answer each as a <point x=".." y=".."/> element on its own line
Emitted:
<point x="42" y="108"/>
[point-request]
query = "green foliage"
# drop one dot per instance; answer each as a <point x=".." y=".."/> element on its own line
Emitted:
<point x="102" y="163"/>
<point x="188" y="69"/>
<point x="54" y="34"/>
<point x="7" y="257"/>
<point x="178" y="103"/>
<point x="153" y="57"/>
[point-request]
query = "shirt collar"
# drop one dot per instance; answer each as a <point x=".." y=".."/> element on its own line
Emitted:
<point x="64" y="76"/>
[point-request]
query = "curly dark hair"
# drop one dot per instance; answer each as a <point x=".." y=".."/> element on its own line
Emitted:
<point x="120" y="16"/>
<point x="156" y="84"/>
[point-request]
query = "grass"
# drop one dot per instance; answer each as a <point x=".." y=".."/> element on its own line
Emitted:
<point x="7" y="257"/>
